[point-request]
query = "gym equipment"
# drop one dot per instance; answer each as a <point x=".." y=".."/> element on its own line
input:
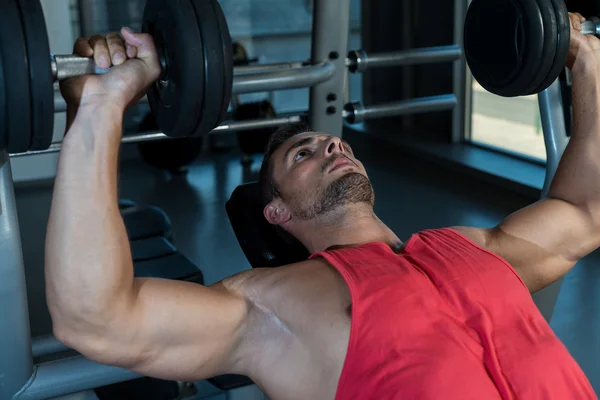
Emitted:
<point x="144" y="222"/>
<point x="355" y="112"/>
<point x="230" y="381"/>
<point x="159" y="136"/>
<point x="519" y="48"/>
<point x="125" y="203"/>
<point x="178" y="100"/>
<point x="192" y="94"/>
<point x="360" y="61"/>
<point x="264" y="245"/>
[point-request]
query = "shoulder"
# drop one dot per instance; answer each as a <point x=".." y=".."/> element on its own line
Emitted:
<point x="276" y="299"/>
<point x="255" y="283"/>
<point x="479" y="236"/>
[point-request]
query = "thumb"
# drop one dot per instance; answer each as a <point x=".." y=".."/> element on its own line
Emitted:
<point x="144" y="44"/>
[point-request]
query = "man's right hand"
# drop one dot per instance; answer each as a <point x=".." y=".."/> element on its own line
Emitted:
<point x="135" y="66"/>
<point x="584" y="50"/>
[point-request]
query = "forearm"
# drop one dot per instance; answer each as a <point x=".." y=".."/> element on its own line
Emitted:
<point x="577" y="179"/>
<point x="89" y="272"/>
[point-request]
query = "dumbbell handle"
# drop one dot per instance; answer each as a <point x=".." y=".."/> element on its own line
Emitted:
<point x="70" y="66"/>
<point x="591" y="26"/>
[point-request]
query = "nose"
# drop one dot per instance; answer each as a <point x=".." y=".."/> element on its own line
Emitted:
<point x="334" y="145"/>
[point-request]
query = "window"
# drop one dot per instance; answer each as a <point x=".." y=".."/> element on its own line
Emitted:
<point x="508" y="124"/>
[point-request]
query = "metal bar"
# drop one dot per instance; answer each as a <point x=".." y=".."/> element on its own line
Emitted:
<point x="60" y="105"/>
<point x="256" y="68"/>
<point x="47" y="345"/>
<point x="360" y="61"/>
<point x="93" y="17"/>
<point x="238" y="126"/>
<point x="356" y="113"/>
<point x="459" y="74"/>
<point x="70" y="375"/>
<point x="65" y="66"/>
<point x="279" y="80"/>
<point x="15" y="352"/>
<point x="555" y="130"/>
<point x="329" y="42"/>
<point x="556" y="140"/>
<point x="70" y="66"/>
<point x="262" y="82"/>
<point x="591" y="26"/>
<point x="248" y="125"/>
<point x="468" y="106"/>
<point x="16" y="365"/>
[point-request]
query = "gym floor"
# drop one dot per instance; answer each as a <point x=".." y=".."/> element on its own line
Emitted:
<point x="411" y="195"/>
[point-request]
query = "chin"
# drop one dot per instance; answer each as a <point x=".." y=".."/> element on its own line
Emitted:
<point x="352" y="187"/>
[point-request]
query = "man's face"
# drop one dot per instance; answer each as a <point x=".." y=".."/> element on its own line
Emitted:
<point x="318" y="174"/>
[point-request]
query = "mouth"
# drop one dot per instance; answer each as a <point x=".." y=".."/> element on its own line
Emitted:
<point x="341" y="163"/>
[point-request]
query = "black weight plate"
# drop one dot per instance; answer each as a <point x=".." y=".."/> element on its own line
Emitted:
<point x="562" y="47"/>
<point x="176" y="99"/>
<point x="227" y="60"/>
<point x="533" y="38"/>
<point x="549" y="45"/>
<point x="40" y="74"/>
<point x="213" y="65"/>
<point x="503" y="43"/>
<point x="16" y="75"/>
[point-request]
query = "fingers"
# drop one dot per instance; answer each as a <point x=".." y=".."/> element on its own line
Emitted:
<point x="576" y="20"/>
<point x="116" y="48"/>
<point x="143" y="45"/>
<point x="131" y="50"/>
<point x="101" y="52"/>
<point x="82" y="47"/>
<point x="142" y="42"/>
<point x="107" y="50"/>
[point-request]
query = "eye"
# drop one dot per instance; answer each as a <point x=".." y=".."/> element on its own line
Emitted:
<point x="301" y="154"/>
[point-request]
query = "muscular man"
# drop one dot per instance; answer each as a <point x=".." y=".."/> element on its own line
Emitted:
<point x="446" y="315"/>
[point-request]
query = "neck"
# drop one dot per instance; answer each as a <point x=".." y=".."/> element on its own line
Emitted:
<point x="355" y="226"/>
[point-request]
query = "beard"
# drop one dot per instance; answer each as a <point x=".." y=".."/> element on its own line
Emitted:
<point x="352" y="188"/>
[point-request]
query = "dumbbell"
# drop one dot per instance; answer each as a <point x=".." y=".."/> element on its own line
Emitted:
<point x="518" y="47"/>
<point x="190" y="98"/>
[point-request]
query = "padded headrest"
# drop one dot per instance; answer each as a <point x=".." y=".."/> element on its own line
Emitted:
<point x="262" y="244"/>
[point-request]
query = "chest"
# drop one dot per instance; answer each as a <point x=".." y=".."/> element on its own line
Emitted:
<point x="303" y="331"/>
<point x="312" y="300"/>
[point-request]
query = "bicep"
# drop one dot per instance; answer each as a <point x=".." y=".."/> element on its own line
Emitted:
<point x="182" y="331"/>
<point x="544" y="241"/>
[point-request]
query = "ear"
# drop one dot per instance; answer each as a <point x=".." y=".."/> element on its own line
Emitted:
<point x="276" y="213"/>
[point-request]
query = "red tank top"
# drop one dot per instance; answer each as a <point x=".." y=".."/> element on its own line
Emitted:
<point x="446" y="319"/>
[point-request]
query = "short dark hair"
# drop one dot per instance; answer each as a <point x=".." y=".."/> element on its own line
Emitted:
<point x="268" y="186"/>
